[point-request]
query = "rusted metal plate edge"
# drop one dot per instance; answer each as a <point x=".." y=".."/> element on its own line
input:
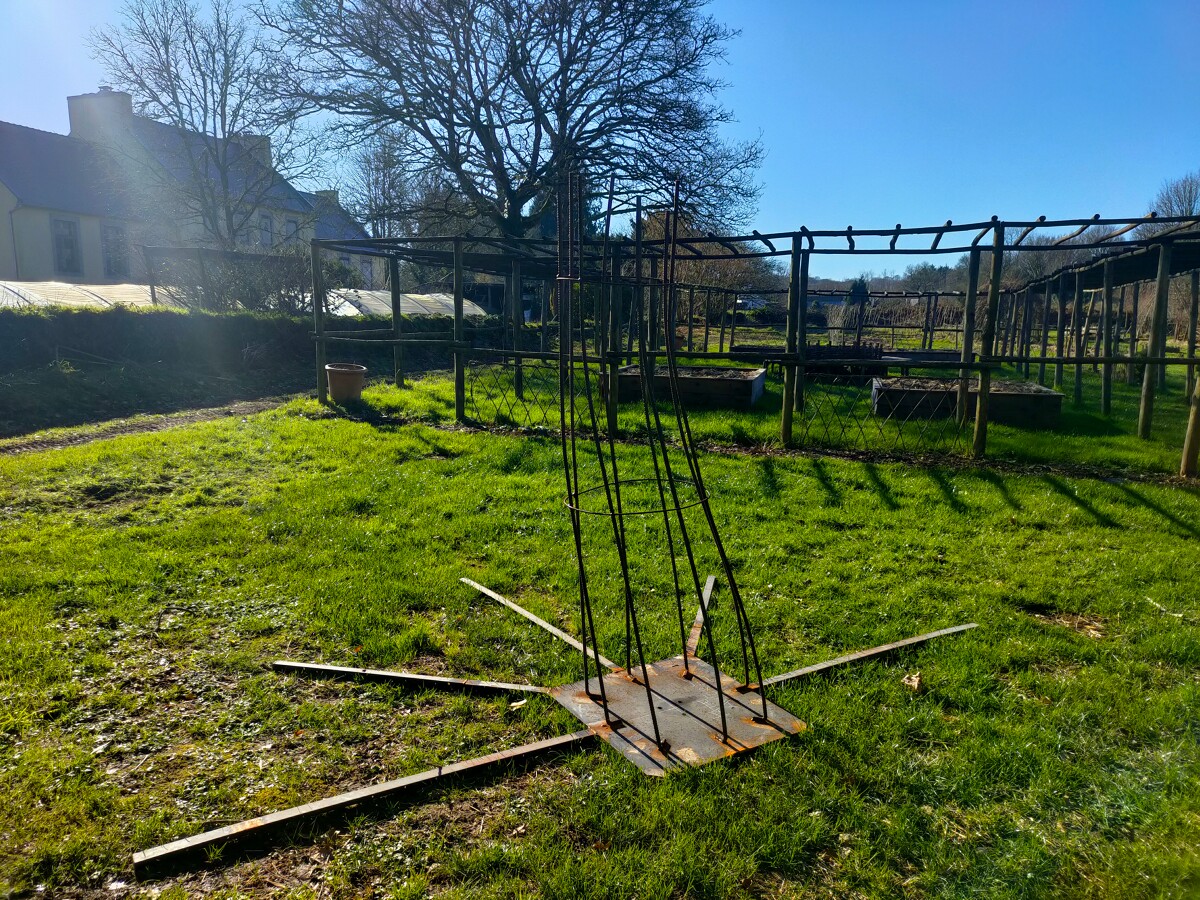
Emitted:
<point x="349" y="673"/>
<point x="166" y="856"/>
<point x="540" y="622"/>
<point x="866" y="654"/>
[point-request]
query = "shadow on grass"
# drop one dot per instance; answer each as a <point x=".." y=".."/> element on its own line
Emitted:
<point x="1142" y="500"/>
<point x="832" y="493"/>
<point x="880" y="486"/>
<point x="1064" y="490"/>
<point x="939" y="478"/>
<point x="768" y="477"/>
<point x="991" y="478"/>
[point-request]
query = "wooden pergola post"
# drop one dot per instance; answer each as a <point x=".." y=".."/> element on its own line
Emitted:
<point x="1191" y="438"/>
<point x="987" y="347"/>
<point x="1045" y="335"/>
<point x="1158" y="327"/>
<point x="968" y="335"/>
<point x="802" y="332"/>
<point x="791" y="330"/>
<point x="1081" y="323"/>
<point x="318" y="281"/>
<point x="460" y="353"/>
<point x="1060" y="347"/>
<point x="518" y="326"/>
<point x="691" y="316"/>
<point x="1027" y="333"/>
<point x="397" y="321"/>
<point x="1193" y="315"/>
<point x="707" y="314"/>
<point x="1108" y="342"/>
<point x="1130" y="374"/>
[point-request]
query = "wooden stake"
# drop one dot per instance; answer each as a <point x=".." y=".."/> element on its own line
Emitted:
<point x="1062" y="330"/>
<point x="1130" y="373"/>
<point x="1080" y="329"/>
<point x="318" y="280"/>
<point x="968" y="335"/>
<point x="460" y="355"/>
<point x="1191" y="438"/>
<point x="988" y="344"/>
<point x="791" y="329"/>
<point x="397" y="322"/>
<point x="1193" y="315"/>
<point x="1107" y="333"/>
<point x="1045" y="335"/>
<point x="518" y="326"/>
<point x="1158" y="327"/>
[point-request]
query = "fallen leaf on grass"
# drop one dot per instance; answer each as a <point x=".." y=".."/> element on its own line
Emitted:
<point x="912" y="682"/>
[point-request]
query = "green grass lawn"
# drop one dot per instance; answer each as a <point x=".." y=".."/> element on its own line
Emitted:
<point x="147" y="582"/>
<point x="839" y="417"/>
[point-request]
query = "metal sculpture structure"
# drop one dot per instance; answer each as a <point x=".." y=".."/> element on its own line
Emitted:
<point x="660" y="715"/>
<point x="670" y="712"/>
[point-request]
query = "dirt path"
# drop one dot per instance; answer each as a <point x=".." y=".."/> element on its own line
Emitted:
<point x="138" y="425"/>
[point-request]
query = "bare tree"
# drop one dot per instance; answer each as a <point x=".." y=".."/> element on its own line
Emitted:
<point x="491" y="98"/>
<point x="225" y="141"/>
<point x="1177" y="197"/>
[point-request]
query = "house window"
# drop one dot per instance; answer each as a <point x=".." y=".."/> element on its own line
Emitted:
<point x="68" y="260"/>
<point x="115" y="248"/>
<point x="364" y="266"/>
<point x="291" y="229"/>
<point x="266" y="231"/>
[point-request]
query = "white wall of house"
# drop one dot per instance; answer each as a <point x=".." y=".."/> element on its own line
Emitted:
<point x="82" y="256"/>
<point x="8" y="249"/>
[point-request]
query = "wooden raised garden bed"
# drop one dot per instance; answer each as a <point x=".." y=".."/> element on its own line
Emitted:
<point x="1009" y="402"/>
<point x="700" y="387"/>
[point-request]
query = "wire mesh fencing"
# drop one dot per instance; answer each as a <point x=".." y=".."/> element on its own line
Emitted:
<point x="838" y="410"/>
<point x="891" y="415"/>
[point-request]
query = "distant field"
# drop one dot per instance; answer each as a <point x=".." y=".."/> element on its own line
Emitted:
<point x="146" y="582"/>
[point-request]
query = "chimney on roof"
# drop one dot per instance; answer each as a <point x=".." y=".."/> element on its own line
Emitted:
<point x="329" y="198"/>
<point x="102" y="116"/>
<point x="258" y="146"/>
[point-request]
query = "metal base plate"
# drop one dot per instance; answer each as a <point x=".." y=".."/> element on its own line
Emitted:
<point x="689" y="718"/>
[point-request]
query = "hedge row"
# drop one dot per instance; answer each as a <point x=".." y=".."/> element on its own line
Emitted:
<point x="220" y="342"/>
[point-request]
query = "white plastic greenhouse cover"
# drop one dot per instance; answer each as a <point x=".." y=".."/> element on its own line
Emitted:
<point x="17" y="294"/>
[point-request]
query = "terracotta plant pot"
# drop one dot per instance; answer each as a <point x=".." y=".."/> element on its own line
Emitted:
<point x="346" y="381"/>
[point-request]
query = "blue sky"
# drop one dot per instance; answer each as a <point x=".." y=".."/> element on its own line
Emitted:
<point x="872" y="112"/>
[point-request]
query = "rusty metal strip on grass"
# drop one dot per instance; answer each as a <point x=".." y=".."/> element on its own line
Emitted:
<point x="260" y="832"/>
<point x="411" y="679"/>
<point x="557" y="632"/>
<point x="866" y="654"/>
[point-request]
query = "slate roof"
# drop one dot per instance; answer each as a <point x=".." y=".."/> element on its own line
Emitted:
<point x="172" y="148"/>
<point x="334" y="223"/>
<point x="53" y="171"/>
